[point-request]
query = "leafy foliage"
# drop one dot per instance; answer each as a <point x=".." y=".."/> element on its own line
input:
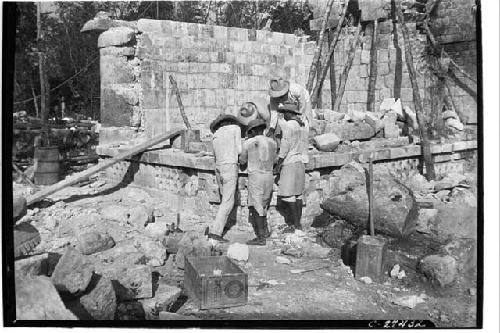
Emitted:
<point x="71" y="53"/>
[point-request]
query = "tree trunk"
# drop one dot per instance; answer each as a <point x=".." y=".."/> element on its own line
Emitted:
<point x="317" y="54"/>
<point x="347" y="68"/>
<point x="333" y="83"/>
<point x="326" y="63"/>
<point x="324" y="50"/>
<point x="426" y="148"/>
<point x="44" y="90"/>
<point x="372" y="83"/>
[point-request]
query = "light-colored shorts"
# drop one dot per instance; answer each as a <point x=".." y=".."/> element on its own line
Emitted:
<point x="292" y="179"/>
<point x="260" y="190"/>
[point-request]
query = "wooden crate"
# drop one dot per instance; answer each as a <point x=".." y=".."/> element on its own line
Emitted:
<point x="227" y="289"/>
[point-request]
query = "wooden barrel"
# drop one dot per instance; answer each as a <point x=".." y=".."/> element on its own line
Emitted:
<point x="46" y="165"/>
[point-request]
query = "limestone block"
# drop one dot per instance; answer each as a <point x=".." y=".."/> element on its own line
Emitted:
<point x="32" y="266"/>
<point x="441" y="269"/>
<point x="116" y="36"/>
<point x="129" y="282"/>
<point x="92" y="242"/>
<point x="37" y="299"/>
<point x="115" y="69"/>
<point x="100" y="301"/>
<point x="73" y="272"/>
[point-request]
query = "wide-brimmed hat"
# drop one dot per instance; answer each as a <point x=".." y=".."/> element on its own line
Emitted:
<point x="248" y="111"/>
<point x="278" y="87"/>
<point x="215" y="124"/>
<point x="288" y="106"/>
<point x="255" y="123"/>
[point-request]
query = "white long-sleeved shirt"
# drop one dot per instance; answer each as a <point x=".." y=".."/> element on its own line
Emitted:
<point x="227" y="144"/>
<point x="297" y="94"/>
<point x="294" y="142"/>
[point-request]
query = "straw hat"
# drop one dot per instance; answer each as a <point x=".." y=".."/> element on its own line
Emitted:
<point x="215" y="124"/>
<point x="278" y="87"/>
<point x="255" y="123"/>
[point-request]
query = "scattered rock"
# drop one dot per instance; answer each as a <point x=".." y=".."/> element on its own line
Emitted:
<point x="164" y="296"/>
<point x="100" y="301"/>
<point x="441" y="269"/>
<point x="37" y="299"/>
<point x="314" y="250"/>
<point x="426" y="218"/>
<point x="408" y="301"/>
<point x="331" y="115"/>
<point x="175" y="316"/>
<point x="465" y="253"/>
<point x="410" y="117"/>
<point x="140" y="216"/>
<point x="450" y="181"/>
<point x="92" y="242"/>
<point x="156" y="254"/>
<point x="129" y="283"/>
<point x="443" y="195"/>
<point x="326" y="142"/>
<point x="191" y="244"/>
<point x="73" y="272"/>
<point x="157" y="229"/>
<point x="395" y="208"/>
<point x="419" y="184"/>
<point x="337" y="233"/>
<point x="455" y="124"/>
<point x="116" y="36"/>
<point x="294" y="252"/>
<point x="115" y="213"/>
<point x="238" y="252"/>
<point x="283" y="260"/>
<point x="374" y="121"/>
<point x="473" y="291"/>
<point x="32" y="266"/>
<point x="130" y="311"/>
<point x="366" y="280"/>
<point x="395" y="271"/>
<point x="449" y="114"/>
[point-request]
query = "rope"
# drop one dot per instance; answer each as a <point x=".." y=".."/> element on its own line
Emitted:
<point x="62" y="83"/>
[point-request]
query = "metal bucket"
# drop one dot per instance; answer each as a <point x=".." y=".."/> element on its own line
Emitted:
<point x="46" y="165"/>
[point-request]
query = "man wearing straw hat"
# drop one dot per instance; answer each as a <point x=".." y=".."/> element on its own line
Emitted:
<point x="227" y="146"/>
<point x="293" y="155"/>
<point x="259" y="152"/>
<point x="282" y="91"/>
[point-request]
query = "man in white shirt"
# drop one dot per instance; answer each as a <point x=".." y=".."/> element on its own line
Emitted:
<point x="227" y="146"/>
<point x="292" y="157"/>
<point x="282" y="91"/>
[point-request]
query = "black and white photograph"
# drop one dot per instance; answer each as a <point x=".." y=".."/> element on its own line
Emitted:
<point x="244" y="164"/>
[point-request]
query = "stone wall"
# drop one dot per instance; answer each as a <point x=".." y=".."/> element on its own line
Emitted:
<point x="454" y="25"/>
<point x="218" y="68"/>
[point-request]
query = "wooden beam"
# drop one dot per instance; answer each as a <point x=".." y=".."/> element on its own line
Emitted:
<point x="426" y="148"/>
<point x="317" y="53"/>
<point x="347" y="68"/>
<point x="372" y="83"/>
<point x="106" y="164"/>
<point x="325" y="64"/>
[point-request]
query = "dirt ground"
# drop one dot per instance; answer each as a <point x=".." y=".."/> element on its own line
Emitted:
<point x="325" y="294"/>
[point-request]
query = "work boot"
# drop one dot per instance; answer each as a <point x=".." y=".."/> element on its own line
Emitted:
<point x="26" y="238"/>
<point x="217" y="238"/>
<point x="267" y="232"/>
<point x="298" y="214"/>
<point x="289" y="217"/>
<point x="260" y="239"/>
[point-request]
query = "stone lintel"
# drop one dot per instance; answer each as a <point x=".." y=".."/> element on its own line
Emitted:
<point x="177" y="158"/>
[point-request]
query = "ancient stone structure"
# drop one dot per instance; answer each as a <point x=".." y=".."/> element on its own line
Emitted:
<point x="218" y="68"/>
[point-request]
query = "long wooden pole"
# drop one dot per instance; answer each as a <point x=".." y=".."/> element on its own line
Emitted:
<point x="333" y="78"/>
<point x="426" y="148"/>
<point x="179" y="101"/>
<point x="106" y="164"/>
<point x="347" y="68"/>
<point x="370" y="194"/>
<point x="325" y="64"/>
<point x="439" y="49"/>
<point x="317" y="54"/>
<point x="372" y="83"/>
